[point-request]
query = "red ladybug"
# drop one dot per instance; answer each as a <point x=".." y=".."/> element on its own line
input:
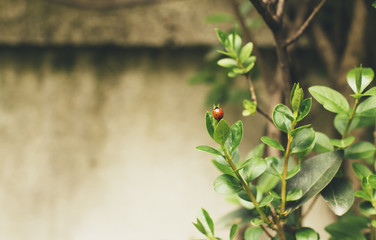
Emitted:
<point x="218" y="113"/>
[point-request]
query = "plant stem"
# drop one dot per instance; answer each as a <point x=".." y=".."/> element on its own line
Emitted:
<point x="285" y="166"/>
<point x="246" y="187"/>
<point x="350" y="119"/>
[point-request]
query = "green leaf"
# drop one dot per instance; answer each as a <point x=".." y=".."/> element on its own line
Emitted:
<point x="296" y="97"/>
<point x="227" y="184"/>
<point x="372" y="180"/>
<point x="363" y="194"/>
<point x="257" y="221"/>
<point x="370" y="92"/>
<point x="339" y="195"/>
<point x="298" y="129"/>
<point x="209" y="150"/>
<point x="306" y="234"/>
<point x="227" y="63"/>
<point x="367" y="208"/>
<point x="330" y="99"/>
<point x="236" y="134"/>
<point x="224" y="168"/>
<point x="360" y="170"/>
<point x="305" y="108"/>
<point x="250" y="107"/>
<point x="253" y="233"/>
<point x="342" y="143"/>
<point x="264" y="202"/>
<point x="200" y="227"/>
<point x="349" y="229"/>
<point x="222" y="36"/>
<point x="291" y="173"/>
<point x="209" y="221"/>
<point x="374" y="4"/>
<point x="360" y="150"/>
<point x="256" y="167"/>
<point x="234" y="42"/>
<point x="221" y="132"/>
<point x="249" y="64"/>
<point x="314" y="175"/>
<point x="234" y="229"/>
<point x="322" y="143"/>
<point x="272" y="143"/>
<point x="359" y="78"/>
<point x="209" y="124"/>
<point x="246" y="201"/>
<point x="246" y="51"/>
<point x="302" y="141"/>
<point x="294" y="194"/>
<point x="367" y="108"/>
<point x="220" y="18"/>
<point x="282" y="117"/>
<point x="267" y="181"/>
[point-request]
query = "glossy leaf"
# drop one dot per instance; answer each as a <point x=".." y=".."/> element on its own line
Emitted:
<point x="249" y="107"/>
<point x="223" y="167"/>
<point x="339" y="195"/>
<point x="267" y="181"/>
<point x="296" y="98"/>
<point x="291" y="173"/>
<point x="209" y="220"/>
<point x="256" y="167"/>
<point x="360" y="170"/>
<point x="246" y="51"/>
<point x="366" y="208"/>
<point x="272" y="143"/>
<point x="246" y="201"/>
<point x="370" y="92"/>
<point x="236" y="134"/>
<point x="342" y="143"/>
<point x="282" y="117"/>
<point x="227" y="184"/>
<point x="322" y="143"/>
<point x="294" y="194"/>
<point x="264" y="202"/>
<point x="367" y="108"/>
<point x="306" y="234"/>
<point x="253" y="233"/>
<point x="314" y="175"/>
<point x="222" y="36"/>
<point x="303" y="140"/>
<point x="350" y="229"/>
<point x="227" y="63"/>
<point x="299" y="129"/>
<point x="200" y="227"/>
<point x="359" y="78"/>
<point x="221" y="132"/>
<point x="234" y="229"/>
<point x="360" y="150"/>
<point x="305" y="108"/>
<point x="209" y="124"/>
<point x="209" y="150"/>
<point x="362" y="194"/>
<point x="372" y="180"/>
<point x="257" y="221"/>
<point x="330" y="99"/>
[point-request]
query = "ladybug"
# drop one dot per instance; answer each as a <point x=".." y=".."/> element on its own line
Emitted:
<point x="218" y="113"/>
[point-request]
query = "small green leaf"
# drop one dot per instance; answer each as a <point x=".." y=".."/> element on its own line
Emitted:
<point x="257" y="221"/>
<point x="282" y="117"/>
<point x="246" y="201"/>
<point x="237" y="134"/>
<point x="253" y="233"/>
<point x="291" y="173"/>
<point x="360" y="170"/>
<point x="246" y="51"/>
<point x="370" y="92"/>
<point x="267" y="181"/>
<point x="342" y="143"/>
<point x="359" y="78"/>
<point x="363" y="194"/>
<point x="373" y="5"/>
<point x="249" y="64"/>
<point x="372" y="180"/>
<point x="234" y="229"/>
<point x="360" y="150"/>
<point x="264" y="202"/>
<point x="222" y="36"/>
<point x="221" y="132"/>
<point x="306" y="234"/>
<point x="227" y="184"/>
<point x="200" y="227"/>
<point x="366" y="208"/>
<point x="209" y="124"/>
<point x="227" y="63"/>
<point x="256" y="167"/>
<point x="367" y="108"/>
<point x="249" y="107"/>
<point x="305" y="108"/>
<point x="209" y="221"/>
<point x="296" y="98"/>
<point x="331" y="100"/>
<point x="209" y="150"/>
<point x="302" y="141"/>
<point x="294" y="194"/>
<point x="322" y="143"/>
<point x="298" y="129"/>
<point x="223" y="167"/>
<point x="340" y="195"/>
<point x="272" y="143"/>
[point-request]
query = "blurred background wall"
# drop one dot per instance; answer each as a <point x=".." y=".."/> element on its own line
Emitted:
<point x="98" y="124"/>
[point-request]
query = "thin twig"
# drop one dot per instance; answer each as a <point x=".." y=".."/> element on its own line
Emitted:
<point x="280" y="6"/>
<point x="265" y="14"/>
<point x="304" y="26"/>
<point x="310" y="207"/>
<point x="266" y="231"/>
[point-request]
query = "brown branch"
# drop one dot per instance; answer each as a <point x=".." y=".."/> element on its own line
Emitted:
<point x="280" y="6"/>
<point x="262" y="9"/>
<point x="304" y="26"/>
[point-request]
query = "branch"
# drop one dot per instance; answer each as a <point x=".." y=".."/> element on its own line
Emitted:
<point x="265" y="14"/>
<point x="280" y="6"/>
<point x="304" y="26"/>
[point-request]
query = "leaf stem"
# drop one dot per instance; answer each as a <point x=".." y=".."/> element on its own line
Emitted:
<point x="350" y="119"/>
<point x="245" y="186"/>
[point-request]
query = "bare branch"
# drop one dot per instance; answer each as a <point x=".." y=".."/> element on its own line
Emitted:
<point x="265" y="14"/>
<point x="280" y="6"/>
<point x="304" y="26"/>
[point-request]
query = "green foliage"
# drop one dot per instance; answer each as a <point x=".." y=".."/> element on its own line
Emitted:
<point x="227" y="184"/>
<point x="340" y="195"/>
<point x="330" y="99"/>
<point x="307" y="234"/>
